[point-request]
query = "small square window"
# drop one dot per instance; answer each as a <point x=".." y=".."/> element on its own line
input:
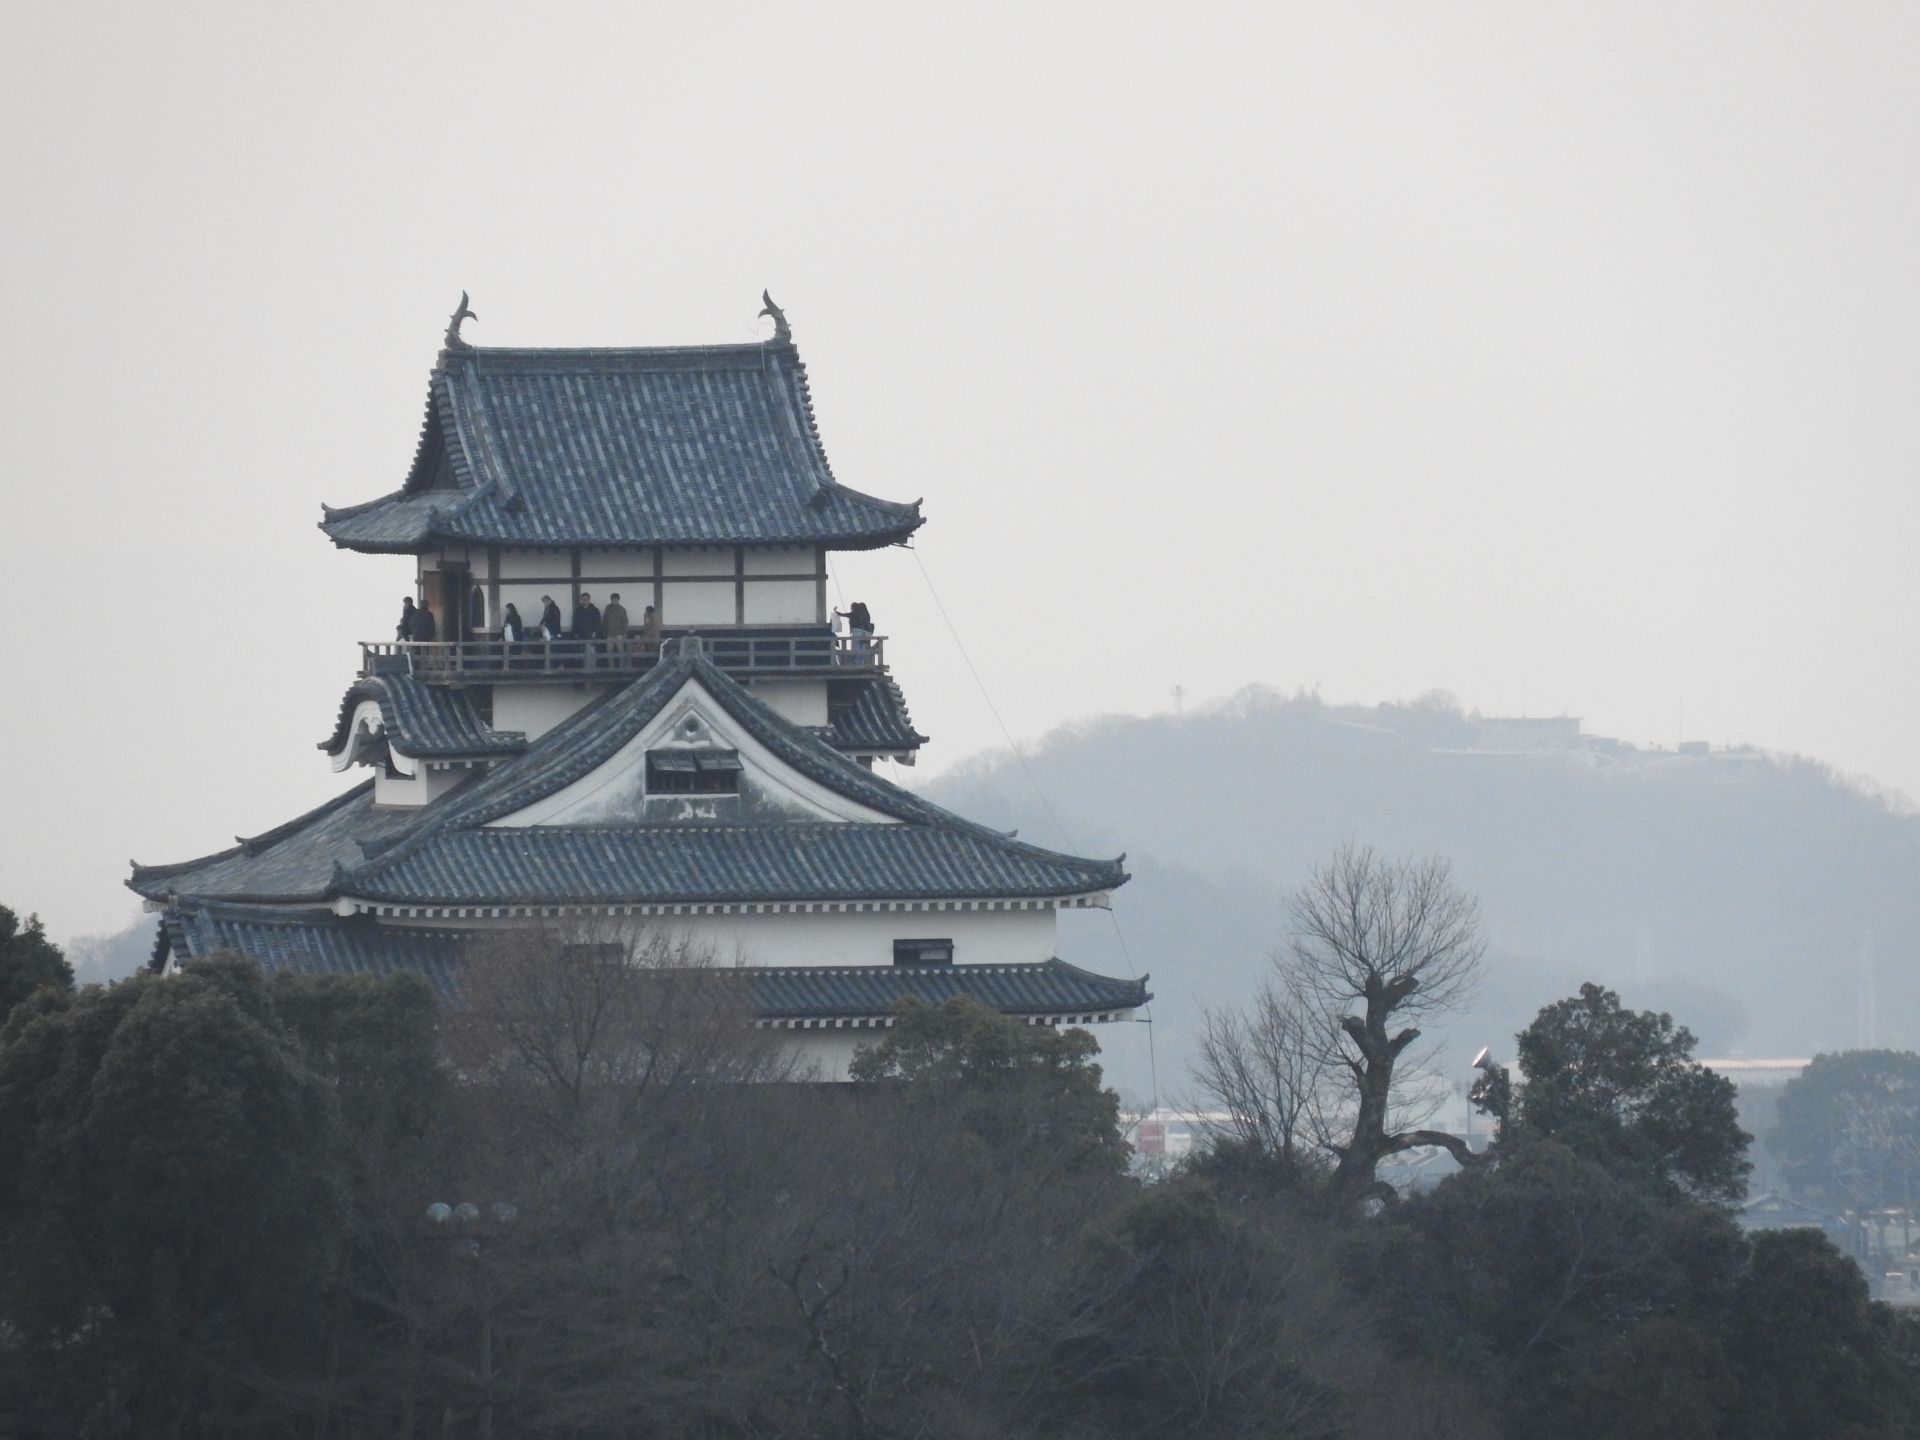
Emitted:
<point x="693" y="772"/>
<point x="923" y="952"/>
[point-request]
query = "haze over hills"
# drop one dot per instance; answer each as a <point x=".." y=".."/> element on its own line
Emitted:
<point x="1769" y="904"/>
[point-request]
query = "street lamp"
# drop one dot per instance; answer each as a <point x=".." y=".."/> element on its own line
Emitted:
<point x="465" y="1217"/>
<point x="1493" y="1091"/>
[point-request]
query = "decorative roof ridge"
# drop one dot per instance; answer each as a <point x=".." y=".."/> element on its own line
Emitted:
<point x="473" y="806"/>
<point x="734" y="349"/>
<point x="622" y="714"/>
<point x="386" y="690"/>
<point x="254" y="845"/>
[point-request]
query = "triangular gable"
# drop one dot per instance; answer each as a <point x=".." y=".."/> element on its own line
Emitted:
<point x="771" y="790"/>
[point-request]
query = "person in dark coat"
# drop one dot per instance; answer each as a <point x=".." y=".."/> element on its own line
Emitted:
<point x="859" y="628"/>
<point x="550" y="618"/>
<point x="423" y="626"/>
<point x="404" y="630"/>
<point x="511" y="626"/>
<point x="586" y="618"/>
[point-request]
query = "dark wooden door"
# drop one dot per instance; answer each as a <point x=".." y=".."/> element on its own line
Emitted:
<point x="452" y="616"/>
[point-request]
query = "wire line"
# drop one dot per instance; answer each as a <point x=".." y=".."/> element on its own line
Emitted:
<point x="1133" y="970"/>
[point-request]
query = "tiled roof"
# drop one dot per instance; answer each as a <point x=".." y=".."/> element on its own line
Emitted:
<point x="1053" y="989"/>
<point x="443" y="854"/>
<point x="669" y="863"/>
<point x="429" y="722"/>
<point x="291" y="863"/>
<point x="872" y="718"/>
<point x="700" y="445"/>
<point x="318" y="942"/>
<point x="311" y="942"/>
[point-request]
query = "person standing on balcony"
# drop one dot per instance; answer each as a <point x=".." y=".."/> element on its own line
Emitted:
<point x="511" y="626"/>
<point x="859" y="626"/>
<point x="613" y="623"/>
<point x="549" y="618"/>
<point x="650" y="631"/>
<point x="423" y="627"/>
<point x="586" y="618"/>
<point x="404" y="630"/>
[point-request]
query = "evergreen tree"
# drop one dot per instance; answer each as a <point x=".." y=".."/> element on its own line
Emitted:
<point x="28" y="960"/>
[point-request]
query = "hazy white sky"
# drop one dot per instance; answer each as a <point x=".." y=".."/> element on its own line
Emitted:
<point x="1563" y="357"/>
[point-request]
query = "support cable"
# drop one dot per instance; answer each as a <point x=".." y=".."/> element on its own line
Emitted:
<point x="1133" y="971"/>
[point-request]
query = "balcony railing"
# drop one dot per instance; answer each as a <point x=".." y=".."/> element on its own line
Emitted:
<point x="744" y="652"/>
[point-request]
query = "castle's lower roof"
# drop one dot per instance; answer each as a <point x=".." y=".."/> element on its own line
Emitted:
<point x="317" y="942"/>
<point x="465" y="850"/>
<point x="1052" y="989"/>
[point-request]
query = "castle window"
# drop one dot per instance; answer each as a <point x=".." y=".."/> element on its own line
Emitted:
<point x="923" y="952"/>
<point x="693" y="772"/>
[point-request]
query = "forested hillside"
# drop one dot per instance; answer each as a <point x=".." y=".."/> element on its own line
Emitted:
<point x="1769" y="904"/>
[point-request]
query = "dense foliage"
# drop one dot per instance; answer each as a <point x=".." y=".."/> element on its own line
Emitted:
<point x="234" y="1204"/>
<point x="1848" y="1131"/>
<point x="1589" y="1274"/>
<point x="28" y="960"/>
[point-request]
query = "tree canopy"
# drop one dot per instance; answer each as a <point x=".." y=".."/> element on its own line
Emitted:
<point x="28" y="960"/>
<point x="1847" y="1130"/>
<point x="1017" y="1086"/>
<point x="1622" y="1087"/>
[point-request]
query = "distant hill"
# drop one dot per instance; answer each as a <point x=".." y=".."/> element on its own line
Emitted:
<point x="1768" y="904"/>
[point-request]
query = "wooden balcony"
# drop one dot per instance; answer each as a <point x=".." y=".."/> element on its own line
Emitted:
<point x="739" y="651"/>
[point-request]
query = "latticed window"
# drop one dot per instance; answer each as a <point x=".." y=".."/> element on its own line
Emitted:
<point x="693" y="772"/>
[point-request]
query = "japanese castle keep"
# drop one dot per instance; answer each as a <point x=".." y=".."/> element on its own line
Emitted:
<point x="716" y="780"/>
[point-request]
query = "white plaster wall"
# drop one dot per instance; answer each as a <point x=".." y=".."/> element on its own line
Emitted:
<point x="980" y="937"/>
<point x="697" y="562"/>
<point x="781" y="602"/>
<point x="780" y="560"/>
<point x="804" y="702"/>
<point x="415" y="790"/>
<point x="697" y="602"/>
<point x="826" y="1054"/>
<point x="536" y="709"/>
<point x="536" y="564"/>
<point x="629" y="566"/>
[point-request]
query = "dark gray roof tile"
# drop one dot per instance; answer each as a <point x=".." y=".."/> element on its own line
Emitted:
<point x="318" y="942"/>
<point x="672" y="864"/>
<point x="870" y="717"/>
<point x="700" y="445"/>
<point x="429" y="722"/>
<point x="443" y="853"/>
<point x="1052" y="988"/>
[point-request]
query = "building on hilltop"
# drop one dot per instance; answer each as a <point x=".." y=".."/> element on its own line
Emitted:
<point x="714" y="778"/>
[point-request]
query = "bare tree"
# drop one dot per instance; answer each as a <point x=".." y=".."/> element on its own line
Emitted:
<point x="1267" y="1071"/>
<point x="594" y="1018"/>
<point x="1376" y="943"/>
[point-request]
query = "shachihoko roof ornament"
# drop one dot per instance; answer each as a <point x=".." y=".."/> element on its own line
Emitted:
<point x="453" y="341"/>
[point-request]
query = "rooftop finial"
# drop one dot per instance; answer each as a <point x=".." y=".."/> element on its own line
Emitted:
<point x="781" y="334"/>
<point x="454" y="342"/>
